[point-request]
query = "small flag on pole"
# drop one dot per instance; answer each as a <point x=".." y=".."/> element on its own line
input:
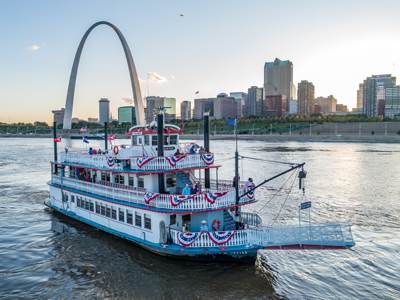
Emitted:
<point x="85" y="140"/>
<point x="57" y="140"/>
<point x="83" y="129"/>
<point x="197" y="92"/>
<point x="231" y="122"/>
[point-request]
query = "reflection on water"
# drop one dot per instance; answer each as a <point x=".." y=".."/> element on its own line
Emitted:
<point x="47" y="255"/>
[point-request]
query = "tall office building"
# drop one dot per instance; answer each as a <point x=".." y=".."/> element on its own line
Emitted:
<point x="186" y="110"/>
<point x="392" y="101"/>
<point x="241" y="103"/>
<point x="374" y="89"/>
<point x="58" y="116"/>
<point x="275" y="105"/>
<point x="126" y="114"/>
<point x="153" y="102"/>
<point x="220" y="107"/>
<point x="360" y="96"/>
<point x="278" y="79"/>
<point x="305" y="98"/>
<point x="104" y="110"/>
<point x="328" y="104"/>
<point x="255" y="101"/>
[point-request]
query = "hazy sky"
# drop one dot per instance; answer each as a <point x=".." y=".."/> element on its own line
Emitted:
<point x="217" y="46"/>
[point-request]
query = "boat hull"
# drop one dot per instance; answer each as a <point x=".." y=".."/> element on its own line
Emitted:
<point x="244" y="255"/>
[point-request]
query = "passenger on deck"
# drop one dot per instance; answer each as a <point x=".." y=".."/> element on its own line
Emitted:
<point x="249" y="183"/>
<point x="203" y="226"/>
<point x="195" y="189"/>
<point x="94" y="151"/>
<point x="186" y="190"/>
<point x="185" y="228"/>
<point x="99" y="152"/>
<point x="201" y="149"/>
<point x="90" y="151"/>
<point x="177" y="153"/>
<point x="234" y="181"/>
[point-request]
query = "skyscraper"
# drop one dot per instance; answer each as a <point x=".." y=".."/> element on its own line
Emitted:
<point x="104" y="110"/>
<point x="220" y="107"/>
<point x="152" y="102"/>
<point x="360" y="96"/>
<point x="278" y="79"/>
<point x="328" y="104"/>
<point x="392" y="101"/>
<point x="305" y="98"/>
<point x="126" y="114"/>
<point x="241" y="103"/>
<point x="255" y="101"/>
<point x="374" y="90"/>
<point x="186" y="110"/>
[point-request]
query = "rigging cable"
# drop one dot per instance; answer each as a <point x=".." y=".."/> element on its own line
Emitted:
<point x="273" y="161"/>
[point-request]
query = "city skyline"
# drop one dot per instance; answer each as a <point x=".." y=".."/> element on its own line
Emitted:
<point x="39" y="46"/>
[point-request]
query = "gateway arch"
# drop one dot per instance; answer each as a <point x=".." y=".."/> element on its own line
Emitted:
<point x="137" y="96"/>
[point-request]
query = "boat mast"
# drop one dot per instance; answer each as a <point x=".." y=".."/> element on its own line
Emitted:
<point x="237" y="181"/>
<point x="206" y="117"/>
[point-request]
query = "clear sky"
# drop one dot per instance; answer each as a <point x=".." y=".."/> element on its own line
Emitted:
<point x="217" y="46"/>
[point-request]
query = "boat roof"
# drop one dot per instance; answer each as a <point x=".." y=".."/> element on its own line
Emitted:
<point x="152" y="129"/>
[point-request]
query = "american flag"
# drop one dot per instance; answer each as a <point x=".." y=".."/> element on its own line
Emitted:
<point x="83" y="129"/>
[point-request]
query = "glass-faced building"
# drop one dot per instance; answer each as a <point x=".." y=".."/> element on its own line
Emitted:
<point x="392" y="101"/>
<point x="153" y="102"/>
<point x="126" y="114"/>
<point x="374" y="90"/>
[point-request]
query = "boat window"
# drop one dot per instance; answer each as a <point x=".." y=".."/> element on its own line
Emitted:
<point x="87" y="206"/>
<point x="108" y="211"/>
<point x="66" y="197"/>
<point x="103" y="175"/>
<point x="113" y="213"/>
<point x="140" y="141"/>
<point x="147" y="221"/>
<point x="72" y="198"/>
<point x="119" y="178"/>
<point x="134" y="140"/>
<point x="78" y="201"/>
<point x="173" y="140"/>
<point x="71" y="172"/>
<point x="138" y="219"/>
<point x="172" y="219"/>
<point x="140" y="182"/>
<point x="121" y="215"/>
<point x="154" y="140"/>
<point x="166" y="138"/>
<point x="131" y="180"/>
<point x="129" y="217"/>
<point x="147" y="140"/>
<point x="103" y="209"/>
<point x="171" y="179"/>
<point x="91" y="205"/>
<point x="97" y="208"/>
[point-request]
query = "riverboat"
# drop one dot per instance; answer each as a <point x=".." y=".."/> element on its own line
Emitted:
<point x="135" y="191"/>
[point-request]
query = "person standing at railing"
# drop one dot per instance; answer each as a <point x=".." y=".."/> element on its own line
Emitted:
<point x="203" y="226"/>
<point x="195" y="190"/>
<point x="185" y="228"/>
<point x="186" y="190"/>
<point x="249" y="184"/>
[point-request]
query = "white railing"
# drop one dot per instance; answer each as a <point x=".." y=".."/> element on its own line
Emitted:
<point x="161" y="163"/>
<point x="223" y="184"/>
<point x="239" y="238"/>
<point x="198" y="202"/>
<point x="328" y="234"/>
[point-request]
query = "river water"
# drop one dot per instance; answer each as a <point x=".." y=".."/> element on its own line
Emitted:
<point x="49" y="256"/>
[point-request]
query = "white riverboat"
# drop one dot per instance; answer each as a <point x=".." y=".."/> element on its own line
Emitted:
<point x="135" y="191"/>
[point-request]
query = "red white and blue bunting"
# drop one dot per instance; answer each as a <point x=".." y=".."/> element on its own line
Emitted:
<point x="150" y="196"/>
<point x="188" y="238"/>
<point x="221" y="237"/>
<point x="250" y="195"/>
<point x="208" y="159"/>
<point x="178" y="199"/>
<point x="144" y="160"/>
<point x="110" y="161"/>
<point x="211" y="197"/>
<point x="174" y="159"/>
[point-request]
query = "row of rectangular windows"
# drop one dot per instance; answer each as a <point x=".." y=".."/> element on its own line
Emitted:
<point x="109" y="211"/>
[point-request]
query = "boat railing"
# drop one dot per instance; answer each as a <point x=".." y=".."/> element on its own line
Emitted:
<point x="223" y="184"/>
<point x="196" y="203"/>
<point x="251" y="219"/>
<point x="94" y="160"/>
<point x="161" y="163"/>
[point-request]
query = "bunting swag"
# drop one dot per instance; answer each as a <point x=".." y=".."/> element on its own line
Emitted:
<point x="208" y="158"/>
<point x="211" y="197"/>
<point x="174" y="159"/>
<point x="250" y="195"/>
<point x="150" y="196"/>
<point x="221" y="237"/>
<point x="110" y="161"/>
<point x="178" y="199"/>
<point x="186" y="239"/>
<point x="144" y="160"/>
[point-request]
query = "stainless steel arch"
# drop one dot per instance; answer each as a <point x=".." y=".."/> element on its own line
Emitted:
<point x="137" y="95"/>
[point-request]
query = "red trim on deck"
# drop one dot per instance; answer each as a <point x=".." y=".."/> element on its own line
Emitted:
<point x="153" y="210"/>
<point x="304" y="247"/>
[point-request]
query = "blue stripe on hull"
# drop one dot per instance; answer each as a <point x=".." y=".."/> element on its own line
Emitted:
<point x="240" y="254"/>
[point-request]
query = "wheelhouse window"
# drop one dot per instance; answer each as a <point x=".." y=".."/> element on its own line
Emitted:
<point x="147" y="140"/>
<point x="147" y="221"/>
<point x="166" y="138"/>
<point x="138" y="219"/>
<point x="134" y="140"/>
<point x="173" y="140"/>
<point x="119" y="178"/>
<point x="97" y="208"/>
<point x="129" y="217"/>
<point x="108" y="211"/>
<point x="103" y="209"/>
<point x="113" y="212"/>
<point x="154" y="140"/>
<point x="121" y="215"/>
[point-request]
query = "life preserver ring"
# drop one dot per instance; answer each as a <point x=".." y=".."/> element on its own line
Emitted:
<point x="116" y="150"/>
<point x="218" y="222"/>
